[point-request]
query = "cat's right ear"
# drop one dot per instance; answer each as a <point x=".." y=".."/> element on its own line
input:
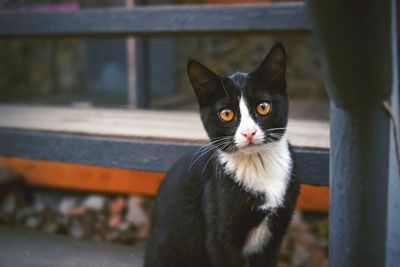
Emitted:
<point x="203" y="80"/>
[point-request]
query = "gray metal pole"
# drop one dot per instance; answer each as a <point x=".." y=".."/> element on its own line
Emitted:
<point x="393" y="229"/>
<point x="355" y="49"/>
<point x="143" y="94"/>
<point x="358" y="187"/>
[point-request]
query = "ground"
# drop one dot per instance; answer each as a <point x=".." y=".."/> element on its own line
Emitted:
<point x="124" y="219"/>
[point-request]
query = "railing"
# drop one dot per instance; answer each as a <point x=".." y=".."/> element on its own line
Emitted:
<point x="191" y="19"/>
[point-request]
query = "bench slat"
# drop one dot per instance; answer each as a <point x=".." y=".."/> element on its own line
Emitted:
<point x="130" y="153"/>
<point x="69" y="176"/>
<point x="183" y="19"/>
<point x="154" y="125"/>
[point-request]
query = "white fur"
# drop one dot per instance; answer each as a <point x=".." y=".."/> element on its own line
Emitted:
<point x="260" y="168"/>
<point x="247" y="124"/>
<point x="266" y="171"/>
<point x="257" y="238"/>
<point x="263" y="168"/>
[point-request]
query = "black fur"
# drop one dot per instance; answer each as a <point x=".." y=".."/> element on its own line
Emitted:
<point x="202" y="216"/>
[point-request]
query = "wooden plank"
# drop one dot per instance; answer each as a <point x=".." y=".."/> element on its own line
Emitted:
<point x="177" y="19"/>
<point x="82" y="177"/>
<point x="21" y="247"/>
<point x="113" y="180"/>
<point x="127" y="153"/>
<point x="313" y="198"/>
<point x="149" y="125"/>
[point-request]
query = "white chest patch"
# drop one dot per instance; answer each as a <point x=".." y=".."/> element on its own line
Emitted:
<point x="267" y="171"/>
<point x="262" y="168"/>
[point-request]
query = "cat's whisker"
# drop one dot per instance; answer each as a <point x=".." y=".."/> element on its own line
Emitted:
<point x="207" y="150"/>
<point x="231" y="149"/>
<point x="197" y="158"/>
<point x="275" y="130"/>
<point x="219" y="138"/>
<point x="278" y="128"/>
<point x="227" y="144"/>
<point x="209" y="160"/>
<point x="212" y="143"/>
<point x="276" y="135"/>
<point x="223" y="139"/>
<point x="202" y="148"/>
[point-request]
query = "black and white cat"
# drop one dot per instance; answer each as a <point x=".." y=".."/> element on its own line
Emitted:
<point x="230" y="203"/>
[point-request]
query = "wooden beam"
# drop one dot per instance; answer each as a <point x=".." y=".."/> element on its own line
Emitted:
<point x="183" y="19"/>
<point x="113" y="180"/>
<point x="80" y="177"/>
<point x="313" y="198"/>
<point x="147" y="155"/>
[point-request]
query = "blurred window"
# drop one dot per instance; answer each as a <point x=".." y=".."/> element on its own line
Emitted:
<point x="97" y="71"/>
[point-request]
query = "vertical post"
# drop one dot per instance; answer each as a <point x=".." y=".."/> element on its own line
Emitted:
<point x="142" y="73"/>
<point x="143" y="93"/>
<point x="55" y="80"/>
<point x="131" y="64"/>
<point x="358" y="187"/>
<point x="393" y="229"/>
<point x="138" y="68"/>
<point x="354" y="45"/>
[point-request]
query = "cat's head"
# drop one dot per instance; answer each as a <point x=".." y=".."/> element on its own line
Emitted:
<point x="245" y="111"/>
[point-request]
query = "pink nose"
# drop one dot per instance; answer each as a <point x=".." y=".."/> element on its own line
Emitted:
<point x="249" y="134"/>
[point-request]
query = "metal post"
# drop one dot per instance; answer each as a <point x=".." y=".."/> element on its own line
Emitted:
<point x="139" y="89"/>
<point x="142" y="73"/>
<point x="393" y="229"/>
<point x="358" y="187"/>
<point x="354" y="43"/>
<point x="131" y="64"/>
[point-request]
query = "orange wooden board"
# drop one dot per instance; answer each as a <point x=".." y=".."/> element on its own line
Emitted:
<point x="314" y="198"/>
<point x="82" y="177"/>
<point x="112" y="180"/>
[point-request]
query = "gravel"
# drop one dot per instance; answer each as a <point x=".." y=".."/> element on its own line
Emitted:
<point x="125" y="219"/>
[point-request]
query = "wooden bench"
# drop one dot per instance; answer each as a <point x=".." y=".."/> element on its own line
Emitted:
<point x="133" y="145"/>
<point x="133" y="139"/>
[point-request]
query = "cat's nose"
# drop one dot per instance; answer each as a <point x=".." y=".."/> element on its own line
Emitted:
<point x="249" y="134"/>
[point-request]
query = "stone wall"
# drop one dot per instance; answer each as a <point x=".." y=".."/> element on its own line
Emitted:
<point x="227" y="54"/>
<point x="39" y="68"/>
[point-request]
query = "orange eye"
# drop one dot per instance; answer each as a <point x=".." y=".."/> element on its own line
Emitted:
<point x="226" y="114"/>
<point x="264" y="108"/>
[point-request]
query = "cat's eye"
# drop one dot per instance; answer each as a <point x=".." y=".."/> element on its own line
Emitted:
<point x="264" y="108"/>
<point x="226" y="114"/>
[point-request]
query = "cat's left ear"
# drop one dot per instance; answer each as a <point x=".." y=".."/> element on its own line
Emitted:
<point x="206" y="83"/>
<point x="273" y="67"/>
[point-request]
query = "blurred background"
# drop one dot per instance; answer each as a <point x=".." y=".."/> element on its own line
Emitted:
<point x="104" y="73"/>
<point x="99" y="72"/>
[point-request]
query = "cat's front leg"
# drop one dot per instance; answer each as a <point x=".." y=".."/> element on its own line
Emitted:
<point x="224" y="253"/>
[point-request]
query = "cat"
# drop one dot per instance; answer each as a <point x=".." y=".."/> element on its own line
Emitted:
<point x="230" y="203"/>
